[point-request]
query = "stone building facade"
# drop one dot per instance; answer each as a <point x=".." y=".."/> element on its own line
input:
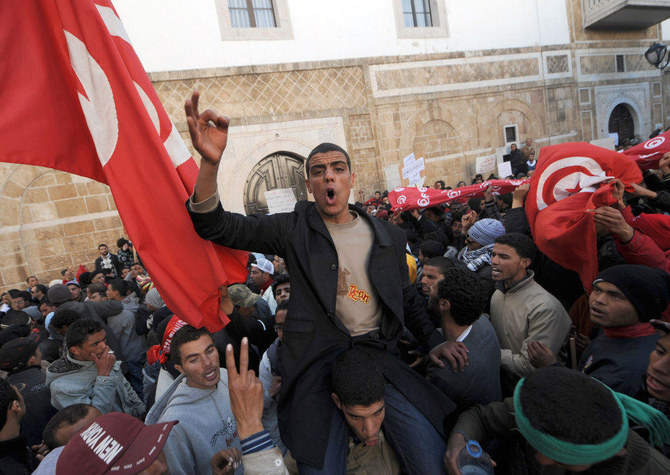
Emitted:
<point x="448" y="107"/>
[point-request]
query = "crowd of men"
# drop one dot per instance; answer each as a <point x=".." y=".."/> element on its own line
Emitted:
<point x="363" y="341"/>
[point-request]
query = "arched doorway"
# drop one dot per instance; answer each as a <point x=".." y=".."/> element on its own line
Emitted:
<point x="278" y="170"/>
<point x="621" y="121"/>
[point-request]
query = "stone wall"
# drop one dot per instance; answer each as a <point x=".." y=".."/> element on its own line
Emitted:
<point x="448" y="108"/>
<point x="51" y="220"/>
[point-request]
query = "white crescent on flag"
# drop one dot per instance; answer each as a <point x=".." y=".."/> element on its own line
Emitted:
<point x="590" y="174"/>
<point x="98" y="104"/>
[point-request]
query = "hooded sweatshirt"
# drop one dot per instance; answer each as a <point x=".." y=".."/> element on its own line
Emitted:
<point x="123" y="325"/>
<point x="206" y="424"/>
<point x="72" y="382"/>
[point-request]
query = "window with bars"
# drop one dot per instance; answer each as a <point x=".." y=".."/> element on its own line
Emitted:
<point x="252" y="14"/>
<point x="417" y="13"/>
<point x="620" y="64"/>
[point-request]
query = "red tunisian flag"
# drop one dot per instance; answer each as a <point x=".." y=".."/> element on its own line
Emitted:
<point x="569" y="179"/>
<point x="647" y="154"/>
<point x="406" y="198"/>
<point x="76" y="98"/>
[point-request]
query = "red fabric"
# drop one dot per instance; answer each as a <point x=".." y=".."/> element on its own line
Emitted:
<point x="570" y="179"/>
<point x="406" y="198"/>
<point x="162" y="351"/>
<point x="267" y="284"/>
<point x="656" y="226"/>
<point x="72" y="83"/>
<point x="642" y="250"/>
<point x="648" y="153"/>
<point x="80" y="271"/>
<point x="650" y="245"/>
<point x="632" y="331"/>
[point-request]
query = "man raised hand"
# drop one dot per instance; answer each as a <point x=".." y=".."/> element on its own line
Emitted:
<point x="209" y="135"/>
<point x="349" y="286"/>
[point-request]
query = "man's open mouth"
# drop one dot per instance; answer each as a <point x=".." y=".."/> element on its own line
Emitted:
<point x="330" y="196"/>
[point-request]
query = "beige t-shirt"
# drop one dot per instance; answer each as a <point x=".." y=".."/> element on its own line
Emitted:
<point x="357" y="303"/>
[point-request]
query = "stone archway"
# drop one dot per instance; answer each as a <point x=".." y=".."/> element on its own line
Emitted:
<point x="532" y="125"/>
<point x="435" y="133"/>
<point x="622" y="122"/>
<point x="634" y="97"/>
<point x="51" y="220"/>
<point x="278" y="170"/>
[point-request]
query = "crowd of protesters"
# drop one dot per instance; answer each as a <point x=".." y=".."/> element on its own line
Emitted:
<point x="364" y="340"/>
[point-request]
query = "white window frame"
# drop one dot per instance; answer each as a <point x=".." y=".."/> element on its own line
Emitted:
<point x="282" y="31"/>
<point x="438" y="11"/>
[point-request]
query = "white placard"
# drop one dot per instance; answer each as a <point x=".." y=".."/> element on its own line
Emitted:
<point x="415" y="179"/>
<point x="281" y="200"/>
<point x="615" y="136"/>
<point x="608" y="143"/>
<point x="486" y="165"/>
<point x="409" y="159"/>
<point x="412" y="168"/>
<point x="504" y="170"/>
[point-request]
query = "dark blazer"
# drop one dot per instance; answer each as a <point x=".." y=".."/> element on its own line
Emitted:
<point x="313" y="335"/>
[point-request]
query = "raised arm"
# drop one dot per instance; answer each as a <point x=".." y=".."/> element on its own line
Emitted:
<point x="209" y="135"/>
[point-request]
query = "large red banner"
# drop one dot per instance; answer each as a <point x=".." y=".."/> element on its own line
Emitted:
<point x="76" y="98"/>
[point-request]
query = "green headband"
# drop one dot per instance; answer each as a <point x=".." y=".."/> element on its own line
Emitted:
<point x="586" y="454"/>
<point x="564" y="452"/>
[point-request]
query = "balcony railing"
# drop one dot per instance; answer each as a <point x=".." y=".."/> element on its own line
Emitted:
<point x="624" y="14"/>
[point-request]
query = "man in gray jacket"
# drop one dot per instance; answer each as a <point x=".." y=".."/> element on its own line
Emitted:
<point x="89" y="373"/>
<point x="123" y="325"/>
<point x="199" y="399"/>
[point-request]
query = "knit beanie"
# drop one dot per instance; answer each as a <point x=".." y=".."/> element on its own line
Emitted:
<point x="144" y="282"/>
<point x="58" y="294"/>
<point x="15" y="354"/>
<point x="485" y="231"/>
<point x="154" y="299"/>
<point x="647" y="288"/>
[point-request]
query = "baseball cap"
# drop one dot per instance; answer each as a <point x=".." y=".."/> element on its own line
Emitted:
<point x="242" y="296"/>
<point x="114" y="443"/>
<point x="264" y="265"/>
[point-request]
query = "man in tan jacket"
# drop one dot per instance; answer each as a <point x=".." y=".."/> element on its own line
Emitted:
<point x="521" y="310"/>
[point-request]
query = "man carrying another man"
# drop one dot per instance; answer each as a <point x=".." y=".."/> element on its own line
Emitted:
<point x="349" y="285"/>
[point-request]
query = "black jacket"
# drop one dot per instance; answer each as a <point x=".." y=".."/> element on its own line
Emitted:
<point x="115" y="263"/>
<point x="16" y="458"/>
<point x="37" y="397"/>
<point x="313" y="335"/>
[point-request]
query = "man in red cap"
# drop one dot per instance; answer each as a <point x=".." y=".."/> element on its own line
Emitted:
<point x="117" y="443"/>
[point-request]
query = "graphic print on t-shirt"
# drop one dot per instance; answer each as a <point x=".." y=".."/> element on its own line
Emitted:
<point x="342" y="285"/>
<point x="352" y="291"/>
